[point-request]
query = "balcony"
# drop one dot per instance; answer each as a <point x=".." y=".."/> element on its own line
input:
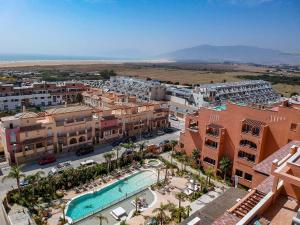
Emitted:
<point x="211" y="144"/>
<point x="246" y="157"/>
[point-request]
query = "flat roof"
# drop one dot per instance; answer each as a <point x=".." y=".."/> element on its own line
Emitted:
<point x="68" y="109"/>
<point x="216" y="208"/>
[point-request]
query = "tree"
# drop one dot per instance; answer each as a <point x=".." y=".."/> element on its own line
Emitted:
<point x="209" y="172"/>
<point x="15" y="173"/>
<point x="166" y="172"/>
<point x="136" y="202"/>
<point x="180" y="196"/>
<point x="173" y="144"/>
<point x="108" y="156"/>
<point x="34" y="180"/>
<point x="161" y="214"/>
<point x="158" y="175"/>
<point x="142" y="146"/>
<point x="79" y="98"/>
<point x="188" y="209"/>
<point x="101" y="218"/>
<point x="225" y="165"/>
<point x="118" y="148"/>
<point x="196" y="155"/>
<point x="63" y="207"/>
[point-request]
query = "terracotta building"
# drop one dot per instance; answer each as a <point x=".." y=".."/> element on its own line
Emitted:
<point x="134" y="117"/>
<point x="28" y="136"/>
<point x="274" y="198"/>
<point x="247" y="135"/>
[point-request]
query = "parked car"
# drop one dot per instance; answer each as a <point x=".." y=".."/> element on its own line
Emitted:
<point x="60" y="167"/>
<point x="173" y="118"/>
<point x="24" y="183"/>
<point x="89" y="162"/>
<point x="160" y="132"/>
<point x="116" y="142"/>
<point x="164" y="142"/>
<point x="148" y="135"/>
<point x="47" y="159"/>
<point x="85" y="150"/>
<point x="168" y="130"/>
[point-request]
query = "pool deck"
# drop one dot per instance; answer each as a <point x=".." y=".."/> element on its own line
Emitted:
<point x="125" y="204"/>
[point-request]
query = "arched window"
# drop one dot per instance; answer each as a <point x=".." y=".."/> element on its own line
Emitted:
<point x="82" y="139"/>
<point x="49" y="132"/>
<point x="73" y="141"/>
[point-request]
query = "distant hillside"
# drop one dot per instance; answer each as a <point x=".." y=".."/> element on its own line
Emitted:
<point x="241" y="54"/>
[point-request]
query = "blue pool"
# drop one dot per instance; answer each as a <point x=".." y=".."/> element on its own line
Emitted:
<point x="93" y="202"/>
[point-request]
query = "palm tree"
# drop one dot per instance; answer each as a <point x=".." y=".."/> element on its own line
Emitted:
<point x="136" y="201"/>
<point x="196" y="155"/>
<point x="180" y="196"/>
<point x="188" y="210"/>
<point x="181" y="211"/>
<point x="128" y="146"/>
<point x="142" y="146"/>
<point x="225" y="164"/>
<point x="108" y="156"/>
<point x="34" y="179"/>
<point x="118" y="148"/>
<point x="209" y="172"/>
<point x="15" y="173"/>
<point x="173" y="144"/>
<point x="186" y="159"/>
<point x="101" y="218"/>
<point x="161" y="215"/>
<point x="166" y="172"/>
<point x="158" y="175"/>
<point x="63" y="207"/>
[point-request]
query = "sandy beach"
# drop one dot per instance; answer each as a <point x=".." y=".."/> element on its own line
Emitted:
<point x="8" y="64"/>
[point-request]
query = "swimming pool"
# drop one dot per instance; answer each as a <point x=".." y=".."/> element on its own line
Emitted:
<point x="91" y="203"/>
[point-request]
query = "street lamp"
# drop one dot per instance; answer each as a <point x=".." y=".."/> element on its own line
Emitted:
<point x="140" y="130"/>
<point x="14" y="151"/>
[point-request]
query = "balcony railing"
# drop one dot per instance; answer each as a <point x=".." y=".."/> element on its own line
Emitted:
<point x="193" y="128"/>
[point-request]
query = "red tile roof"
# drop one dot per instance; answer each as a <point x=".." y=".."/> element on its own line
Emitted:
<point x="266" y="185"/>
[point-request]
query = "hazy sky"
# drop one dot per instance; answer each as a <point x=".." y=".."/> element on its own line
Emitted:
<point x="105" y="27"/>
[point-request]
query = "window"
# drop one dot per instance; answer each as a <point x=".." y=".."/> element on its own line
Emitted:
<point x="246" y="156"/>
<point x="12" y="137"/>
<point x="210" y="161"/>
<point x="239" y="173"/>
<point x="293" y="127"/>
<point x="248" y="176"/>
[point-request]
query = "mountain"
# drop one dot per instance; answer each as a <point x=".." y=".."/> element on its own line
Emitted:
<point x="238" y="53"/>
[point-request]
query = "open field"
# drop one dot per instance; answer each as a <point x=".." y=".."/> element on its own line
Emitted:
<point x="184" y="73"/>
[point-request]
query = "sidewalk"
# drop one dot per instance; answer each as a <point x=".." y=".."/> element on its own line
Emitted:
<point x="167" y="156"/>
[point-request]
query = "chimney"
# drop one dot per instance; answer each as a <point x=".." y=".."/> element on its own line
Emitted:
<point x="294" y="149"/>
<point x="66" y="104"/>
<point x="24" y="108"/>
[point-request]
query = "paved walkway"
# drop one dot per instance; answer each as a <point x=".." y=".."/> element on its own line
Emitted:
<point x="167" y="156"/>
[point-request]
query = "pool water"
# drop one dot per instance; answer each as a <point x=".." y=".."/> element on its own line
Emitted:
<point x="91" y="203"/>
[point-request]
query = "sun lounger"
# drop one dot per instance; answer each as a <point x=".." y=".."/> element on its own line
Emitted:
<point x="118" y="213"/>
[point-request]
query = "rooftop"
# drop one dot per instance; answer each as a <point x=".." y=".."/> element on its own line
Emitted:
<point x="216" y="208"/>
<point x="266" y="165"/>
<point x="69" y="109"/>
